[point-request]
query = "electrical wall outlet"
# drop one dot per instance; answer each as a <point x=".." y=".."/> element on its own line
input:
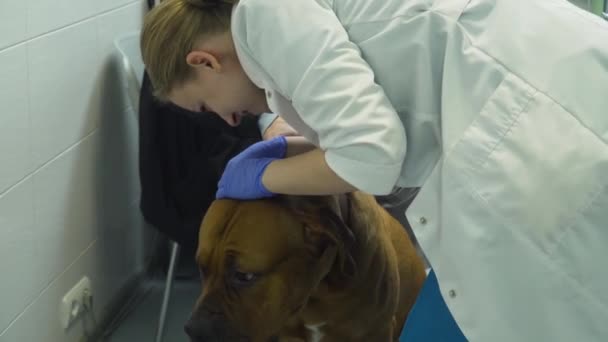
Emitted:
<point x="75" y="302"/>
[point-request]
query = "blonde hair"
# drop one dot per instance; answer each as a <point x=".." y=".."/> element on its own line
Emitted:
<point x="169" y="33"/>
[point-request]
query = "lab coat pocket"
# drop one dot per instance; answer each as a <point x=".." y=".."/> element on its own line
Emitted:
<point x="533" y="163"/>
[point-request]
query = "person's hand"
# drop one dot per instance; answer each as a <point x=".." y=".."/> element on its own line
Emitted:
<point x="242" y="178"/>
<point x="277" y="128"/>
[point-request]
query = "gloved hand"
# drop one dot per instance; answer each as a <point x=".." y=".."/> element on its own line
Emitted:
<point x="242" y="178"/>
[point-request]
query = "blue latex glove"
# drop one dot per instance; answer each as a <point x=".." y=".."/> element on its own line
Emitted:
<point x="242" y="178"/>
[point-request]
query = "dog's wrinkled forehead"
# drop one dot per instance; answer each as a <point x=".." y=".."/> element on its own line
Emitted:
<point x="258" y="230"/>
<point x="217" y="219"/>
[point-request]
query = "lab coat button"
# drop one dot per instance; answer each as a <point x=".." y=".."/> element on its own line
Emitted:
<point x="452" y="293"/>
<point x="423" y="220"/>
<point x="268" y="94"/>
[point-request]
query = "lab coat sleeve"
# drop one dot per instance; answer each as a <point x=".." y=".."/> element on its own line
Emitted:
<point x="303" y="48"/>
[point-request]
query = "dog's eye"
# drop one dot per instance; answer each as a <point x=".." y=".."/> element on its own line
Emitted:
<point x="243" y="278"/>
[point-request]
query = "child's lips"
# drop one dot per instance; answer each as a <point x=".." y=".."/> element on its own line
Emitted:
<point x="237" y="117"/>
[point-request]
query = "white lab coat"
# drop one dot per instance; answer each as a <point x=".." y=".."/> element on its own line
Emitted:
<point x="504" y="108"/>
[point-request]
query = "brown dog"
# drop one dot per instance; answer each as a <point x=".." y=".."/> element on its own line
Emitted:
<point x="322" y="269"/>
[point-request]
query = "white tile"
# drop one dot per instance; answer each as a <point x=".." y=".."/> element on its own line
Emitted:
<point x="118" y="22"/>
<point x="18" y="253"/>
<point x="47" y="15"/>
<point x="65" y="12"/>
<point x="67" y="209"/>
<point x="12" y="22"/>
<point x="112" y="4"/>
<point x="63" y="97"/>
<point x="39" y="322"/>
<point x="60" y="228"/>
<point x="15" y="156"/>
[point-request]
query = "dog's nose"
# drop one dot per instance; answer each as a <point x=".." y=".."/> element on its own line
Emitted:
<point x="200" y="330"/>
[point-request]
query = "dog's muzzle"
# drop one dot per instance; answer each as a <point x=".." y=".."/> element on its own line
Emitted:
<point x="204" y="330"/>
<point x="208" y="329"/>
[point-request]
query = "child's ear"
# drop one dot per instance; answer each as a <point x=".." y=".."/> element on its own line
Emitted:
<point x="199" y="58"/>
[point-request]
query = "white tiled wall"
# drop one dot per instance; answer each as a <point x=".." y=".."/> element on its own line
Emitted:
<point x="62" y="67"/>
<point x="13" y="27"/>
<point x="68" y="162"/>
<point x="14" y="117"/>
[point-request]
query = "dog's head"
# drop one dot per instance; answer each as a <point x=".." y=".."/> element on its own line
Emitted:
<point x="261" y="260"/>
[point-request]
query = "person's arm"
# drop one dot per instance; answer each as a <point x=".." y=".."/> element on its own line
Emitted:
<point x="297" y="145"/>
<point x="311" y="173"/>
<point x="305" y="163"/>
<point x="311" y="62"/>
<point x="264" y="169"/>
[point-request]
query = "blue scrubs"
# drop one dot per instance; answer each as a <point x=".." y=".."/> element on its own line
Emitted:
<point x="430" y="320"/>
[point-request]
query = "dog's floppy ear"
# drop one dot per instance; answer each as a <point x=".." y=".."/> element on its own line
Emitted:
<point x="325" y="229"/>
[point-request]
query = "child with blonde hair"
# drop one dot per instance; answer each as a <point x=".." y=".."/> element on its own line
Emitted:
<point x="495" y="109"/>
